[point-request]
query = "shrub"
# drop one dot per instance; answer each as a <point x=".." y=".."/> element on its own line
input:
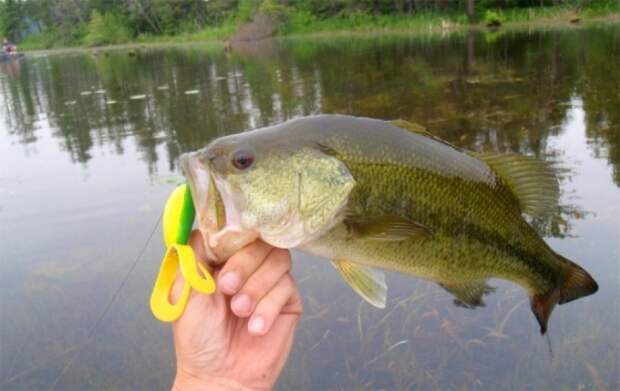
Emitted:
<point x="246" y="10"/>
<point x="493" y="18"/>
<point x="277" y="11"/>
<point x="44" y="40"/>
<point x="106" y="29"/>
<point x="600" y="7"/>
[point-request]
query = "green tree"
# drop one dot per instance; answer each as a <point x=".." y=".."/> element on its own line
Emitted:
<point x="106" y="29"/>
<point x="11" y="19"/>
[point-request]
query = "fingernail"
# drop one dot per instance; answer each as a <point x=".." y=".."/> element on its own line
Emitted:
<point x="230" y="282"/>
<point x="241" y="304"/>
<point x="257" y="325"/>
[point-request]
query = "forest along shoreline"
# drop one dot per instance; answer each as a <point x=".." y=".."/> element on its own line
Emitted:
<point x="227" y="44"/>
<point x="35" y="25"/>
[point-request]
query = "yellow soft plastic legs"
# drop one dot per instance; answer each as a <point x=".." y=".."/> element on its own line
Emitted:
<point x="177" y="224"/>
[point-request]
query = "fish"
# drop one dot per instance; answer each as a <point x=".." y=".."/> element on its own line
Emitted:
<point x="374" y="195"/>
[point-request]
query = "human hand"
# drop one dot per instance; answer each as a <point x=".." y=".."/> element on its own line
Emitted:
<point x="240" y="336"/>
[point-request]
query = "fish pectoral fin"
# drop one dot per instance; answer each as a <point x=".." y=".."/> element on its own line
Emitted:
<point x="386" y="228"/>
<point x="468" y="294"/>
<point x="532" y="181"/>
<point x="367" y="282"/>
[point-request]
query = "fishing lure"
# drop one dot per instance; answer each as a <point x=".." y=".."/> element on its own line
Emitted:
<point x="177" y="222"/>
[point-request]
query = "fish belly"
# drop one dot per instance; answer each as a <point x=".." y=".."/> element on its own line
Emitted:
<point x="439" y="259"/>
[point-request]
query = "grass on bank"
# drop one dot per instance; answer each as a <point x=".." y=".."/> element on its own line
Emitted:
<point x="109" y="30"/>
<point x="53" y="40"/>
<point x="212" y="33"/>
<point x="306" y="23"/>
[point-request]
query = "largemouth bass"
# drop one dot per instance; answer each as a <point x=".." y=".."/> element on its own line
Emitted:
<point x="371" y="194"/>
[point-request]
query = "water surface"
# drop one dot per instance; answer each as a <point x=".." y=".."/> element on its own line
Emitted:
<point x="85" y="139"/>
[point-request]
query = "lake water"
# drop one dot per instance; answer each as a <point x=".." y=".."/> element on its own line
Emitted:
<point x="83" y="154"/>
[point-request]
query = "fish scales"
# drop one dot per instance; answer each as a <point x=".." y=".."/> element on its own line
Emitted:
<point x="399" y="178"/>
<point x="449" y="211"/>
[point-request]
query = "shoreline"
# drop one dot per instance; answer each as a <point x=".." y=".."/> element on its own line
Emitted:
<point x="431" y="29"/>
<point x="546" y="24"/>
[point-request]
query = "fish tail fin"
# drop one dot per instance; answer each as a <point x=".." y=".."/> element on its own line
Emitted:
<point x="575" y="283"/>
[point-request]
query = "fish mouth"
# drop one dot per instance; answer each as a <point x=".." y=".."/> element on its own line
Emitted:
<point x="217" y="216"/>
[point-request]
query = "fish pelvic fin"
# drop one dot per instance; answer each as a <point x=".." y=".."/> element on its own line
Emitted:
<point x="575" y="283"/>
<point x="532" y="181"/>
<point x="367" y="282"/>
<point x="468" y="294"/>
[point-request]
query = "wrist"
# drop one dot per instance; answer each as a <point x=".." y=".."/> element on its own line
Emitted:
<point x="188" y="382"/>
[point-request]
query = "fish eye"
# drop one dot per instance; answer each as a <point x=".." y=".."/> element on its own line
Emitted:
<point x="242" y="159"/>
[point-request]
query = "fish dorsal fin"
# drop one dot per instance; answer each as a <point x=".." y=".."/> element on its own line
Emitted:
<point x="419" y="129"/>
<point x="469" y="293"/>
<point x="367" y="282"/>
<point x="412" y="127"/>
<point x="386" y="228"/>
<point x="532" y="181"/>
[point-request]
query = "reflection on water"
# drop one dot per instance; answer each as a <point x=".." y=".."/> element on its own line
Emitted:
<point x="79" y="195"/>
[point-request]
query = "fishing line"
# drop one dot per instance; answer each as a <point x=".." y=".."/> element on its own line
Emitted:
<point x="550" y="347"/>
<point x="108" y="305"/>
